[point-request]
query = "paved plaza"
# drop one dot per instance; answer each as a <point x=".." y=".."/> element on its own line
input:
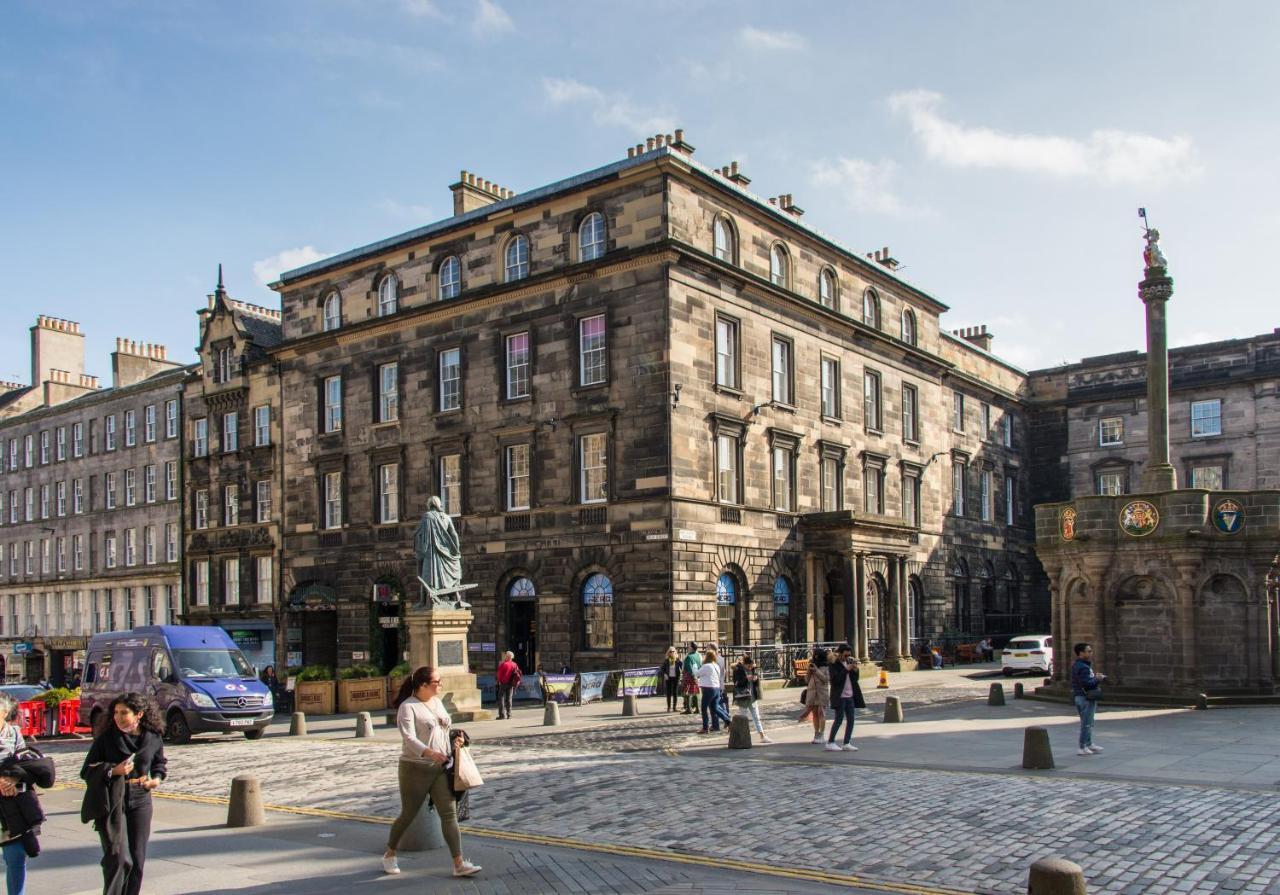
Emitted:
<point x="1182" y="801"/>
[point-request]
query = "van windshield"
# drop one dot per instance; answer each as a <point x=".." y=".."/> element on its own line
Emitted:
<point x="212" y="663"/>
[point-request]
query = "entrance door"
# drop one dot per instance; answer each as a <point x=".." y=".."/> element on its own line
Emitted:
<point x="523" y="625"/>
<point x="320" y="638"/>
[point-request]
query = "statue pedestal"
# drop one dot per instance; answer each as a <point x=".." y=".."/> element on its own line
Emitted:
<point x="438" y="637"/>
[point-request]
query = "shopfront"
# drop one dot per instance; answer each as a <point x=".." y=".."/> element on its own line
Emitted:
<point x="256" y="640"/>
<point x="388" y="640"/>
<point x="66" y="659"/>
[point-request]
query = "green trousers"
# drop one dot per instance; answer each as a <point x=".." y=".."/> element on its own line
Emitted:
<point x="418" y="780"/>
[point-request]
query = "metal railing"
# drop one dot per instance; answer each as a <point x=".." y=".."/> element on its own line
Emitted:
<point x="775" y="661"/>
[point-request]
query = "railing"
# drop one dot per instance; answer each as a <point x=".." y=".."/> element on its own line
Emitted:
<point x="731" y="514"/>
<point x="516" y="523"/>
<point x="593" y="515"/>
<point x="775" y="661"/>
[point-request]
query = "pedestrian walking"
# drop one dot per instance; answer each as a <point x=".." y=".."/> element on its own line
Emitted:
<point x="1086" y="690"/>
<point x="509" y="678"/>
<point x="692" y="661"/>
<point x="670" y="673"/>
<point x="846" y="697"/>
<point x="428" y="742"/>
<point x="746" y="692"/>
<point x="817" y="692"/>
<point x="711" y="683"/>
<point x="21" y="770"/>
<point x="125" y="764"/>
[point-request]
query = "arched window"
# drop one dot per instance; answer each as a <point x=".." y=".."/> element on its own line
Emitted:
<point x="522" y="589"/>
<point x="522" y="623"/>
<point x="726" y="609"/>
<point x="517" y="260"/>
<point x="597" y="612"/>
<point x="827" y="289"/>
<point x="960" y="595"/>
<point x="722" y="239"/>
<point x="915" y="611"/>
<point x="908" y="326"/>
<point x="388" y="296"/>
<point x="450" y="278"/>
<point x="781" y="610"/>
<point x="871" y="309"/>
<point x="778" y="265"/>
<point x="591" y="237"/>
<point x="332" y="311"/>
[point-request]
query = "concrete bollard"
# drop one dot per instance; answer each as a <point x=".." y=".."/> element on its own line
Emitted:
<point x="298" y="724"/>
<point x="1055" y="876"/>
<point x="1018" y="690"/>
<point x="551" y="715"/>
<point x="244" y="809"/>
<point x="423" y="833"/>
<point x="364" y="725"/>
<point x="996" y="696"/>
<point x="892" y="710"/>
<point x="739" y="732"/>
<point x="1036" y="752"/>
<point x="1202" y="702"/>
<point x="630" y="706"/>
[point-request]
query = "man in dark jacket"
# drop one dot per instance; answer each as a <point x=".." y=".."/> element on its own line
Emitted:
<point x="1085" y="692"/>
<point x="846" y="697"/>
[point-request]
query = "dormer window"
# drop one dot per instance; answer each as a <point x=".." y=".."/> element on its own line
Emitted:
<point x="591" y="237"/>
<point x="450" y="278"/>
<point x="517" y="259"/>
<point x="388" y="296"/>
<point x="332" y="311"/>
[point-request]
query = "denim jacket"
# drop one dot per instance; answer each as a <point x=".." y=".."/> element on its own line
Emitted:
<point x="1082" y="677"/>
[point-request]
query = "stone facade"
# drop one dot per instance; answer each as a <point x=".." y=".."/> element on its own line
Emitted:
<point x="232" y="482"/>
<point x="96" y="546"/>
<point x="526" y="327"/>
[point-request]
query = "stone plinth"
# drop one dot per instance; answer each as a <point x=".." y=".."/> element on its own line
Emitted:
<point x="438" y="637"/>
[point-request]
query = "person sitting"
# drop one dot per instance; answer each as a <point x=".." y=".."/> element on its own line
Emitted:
<point x="984" y="651"/>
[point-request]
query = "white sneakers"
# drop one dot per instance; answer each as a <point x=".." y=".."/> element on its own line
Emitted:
<point x="765" y="739"/>
<point x="389" y="864"/>
<point x="467" y="869"/>
<point x="849" y="747"/>
<point x="818" y="740"/>
<point x="1089" y="750"/>
<point x="831" y="747"/>
<point x="1096" y="750"/>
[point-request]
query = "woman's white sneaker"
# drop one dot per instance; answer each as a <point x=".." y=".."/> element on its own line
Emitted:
<point x="1096" y="750"/>
<point x="831" y="747"/>
<point x="1084" y="750"/>
<point x="389" y="864"/>
<point x="466" y="868"/>
<point x="849" y="747"/>
<point x="818" y="740"/>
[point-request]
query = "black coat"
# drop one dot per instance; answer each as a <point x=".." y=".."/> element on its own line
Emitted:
<point x="740" y="683"/>
<point x="113" y="746"/>
<point x="21" y="813"/>
<point x="838" y="675"/>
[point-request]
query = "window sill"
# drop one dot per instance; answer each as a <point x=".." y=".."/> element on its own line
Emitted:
<point x="522" y="399"/>
<point x="911" y="442"/>
<point x="879" y="433"/>
<point x="447" y="414"/>
<point x="386" y="424"/>
<point x="587" y="389"/>
<point x="832" y="421"/>
<point x="727" y="390"/>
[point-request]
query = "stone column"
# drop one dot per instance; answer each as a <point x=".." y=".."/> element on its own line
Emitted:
<point x="859" y="643"/>
<point x="849" y="588"/>
<point x="1155" y="291"/>
<point x="1184" y="621"/>
<point x="904" y="610"/>
<point x="893" y="624"/>
<point x="811" y="597"/>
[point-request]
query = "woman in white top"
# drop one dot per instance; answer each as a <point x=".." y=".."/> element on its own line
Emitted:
<point x="426" y="754"/>
<point x="711" y="680"/>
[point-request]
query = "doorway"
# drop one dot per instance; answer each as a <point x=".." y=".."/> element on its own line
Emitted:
<point x="523" y="625"/>
<point x="388" y="615"/>
<point x="320" y="638"/>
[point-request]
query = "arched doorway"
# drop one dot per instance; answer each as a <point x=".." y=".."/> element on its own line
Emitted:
<point x="781" y="609"/>
<point x="961" y="607"/>
<point x="522" y="623"/>
<point x="876" y="599"/>
<point x="727" y="611"/>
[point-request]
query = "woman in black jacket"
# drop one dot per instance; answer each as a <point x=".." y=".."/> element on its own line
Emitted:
<point x="125" y="763"/>
<point x="846" y="696"/>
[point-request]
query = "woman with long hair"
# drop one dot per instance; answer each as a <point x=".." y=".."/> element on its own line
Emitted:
<point x="670" y="673"/>
<point x="125" y="764"/>
<point x="427" y="745"/>
<point x="817" y="691"/>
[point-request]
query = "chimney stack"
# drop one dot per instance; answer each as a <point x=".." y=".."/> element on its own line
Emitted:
<point x="883" y="258"/>
<point x="135" y="361"/>
<point x="55" y="344"/>
<point x="975" y="335"/>
<point x="472" y="192"/>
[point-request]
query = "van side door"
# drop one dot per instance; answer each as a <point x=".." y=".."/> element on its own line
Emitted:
<point x="162" y="680"/>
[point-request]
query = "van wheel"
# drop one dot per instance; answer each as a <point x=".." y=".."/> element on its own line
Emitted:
<point x="255" y="734"/>
<point x="176" y="729"/>
<point x="1008" y="672"/>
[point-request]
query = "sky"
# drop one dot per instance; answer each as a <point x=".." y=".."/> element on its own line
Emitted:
<point x="1000" y="150"/>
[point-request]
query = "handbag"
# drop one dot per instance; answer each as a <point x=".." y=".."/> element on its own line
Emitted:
<point x="465" y="773"/>
<point x="1094" y="695"/>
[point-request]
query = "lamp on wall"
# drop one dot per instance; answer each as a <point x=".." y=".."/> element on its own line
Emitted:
<point x="675" y="395"/>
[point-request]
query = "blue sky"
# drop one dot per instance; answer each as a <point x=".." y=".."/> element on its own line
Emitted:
<point x="999" y="149"/>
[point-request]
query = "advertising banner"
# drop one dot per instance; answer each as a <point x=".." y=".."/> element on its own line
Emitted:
<point x="560" y="687"/>
<point x="591" y="686"/>
<point x="639" y="682"/>
<point x="530" y="688"/>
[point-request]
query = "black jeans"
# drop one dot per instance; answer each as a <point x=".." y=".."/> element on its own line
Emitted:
<point x="123" y="859"/>
<point x="673" y="687"/>
<point x="504" y="700"/>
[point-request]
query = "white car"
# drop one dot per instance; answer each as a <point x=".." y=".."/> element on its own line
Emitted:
<point x="1028" y="652"/>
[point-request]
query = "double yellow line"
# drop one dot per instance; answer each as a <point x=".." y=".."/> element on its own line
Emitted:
<point x="830" y="878"/>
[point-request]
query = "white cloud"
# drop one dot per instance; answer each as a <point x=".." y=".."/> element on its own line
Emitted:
<point x="491" y="19"/>
<point x="404" y="211"/>
<point x="865" y="186"/>
<point x="1109" y="156"/>
<point x="268" y="270"/>
<point x="760" y="39"/>
<point x="607" y="108"/>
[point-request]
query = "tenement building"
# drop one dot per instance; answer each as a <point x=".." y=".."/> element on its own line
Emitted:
<point x="660" y="409"/>
<point x="90" y="498"/>
<point x="232" y="452"/>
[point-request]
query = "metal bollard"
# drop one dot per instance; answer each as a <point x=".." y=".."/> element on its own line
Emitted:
<point x="630" y="706"/>
<point x="996" y="695"/>
<point x="892" y="710"/>
<point x="244" y="808"/>
<point x="1055" y="876"/>
<point x="551" y="715"/>
<point x="298" y="724"/>
<point x="364" y="725"/>
<point x="1036" y="752"/>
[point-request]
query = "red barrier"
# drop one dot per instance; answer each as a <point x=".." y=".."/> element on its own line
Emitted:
<point x="69" y="717"/>
<point x="32" y="718"/>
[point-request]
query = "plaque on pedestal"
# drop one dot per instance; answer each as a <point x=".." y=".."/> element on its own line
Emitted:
<point x="438" y="637"/>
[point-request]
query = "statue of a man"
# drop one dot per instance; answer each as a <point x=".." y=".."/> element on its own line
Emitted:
<point x="1151" y="255"/>
<point x="435" y="544"/>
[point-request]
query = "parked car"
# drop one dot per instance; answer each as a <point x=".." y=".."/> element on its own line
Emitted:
<point x="1028" y="652"/>
<point x="196" y="675"/>
<point x="21" y="692"/>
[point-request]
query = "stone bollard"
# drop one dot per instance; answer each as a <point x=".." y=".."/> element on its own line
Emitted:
<point x="1202" y="702"/>
<point x="996" y="696"/>
<point x="892" y="710"/>
<point x="1017" y="690"/>
<point x="551" y="715"/>
<point x="1055" y="876"/>
<point x="739" y="732"/>
<point x="423" y="833"/>
<point x="364" y="725"/>
<point x="391" y="719"/>
<point x="298" y="724"/>
<point x="244" y="809"/>
<point x="630" y="706"/>
<point x="1036" y="752"/>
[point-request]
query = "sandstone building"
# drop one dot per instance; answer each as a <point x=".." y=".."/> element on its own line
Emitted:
<point x="90" y="500"/>
<point x="660" y="408"/>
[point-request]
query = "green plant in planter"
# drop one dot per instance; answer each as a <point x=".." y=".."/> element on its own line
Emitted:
<point x="401" y="670"/>
<point x="315" y="673"/>
<point x="51" y="698"/>
<point x="358" y="672"/>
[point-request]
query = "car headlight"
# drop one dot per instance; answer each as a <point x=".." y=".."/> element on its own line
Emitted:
<point x="268" y="700"/>
<point x="201" y="700"/>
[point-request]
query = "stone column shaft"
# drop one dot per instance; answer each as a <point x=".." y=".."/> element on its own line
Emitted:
<point x="1155" y="291"/>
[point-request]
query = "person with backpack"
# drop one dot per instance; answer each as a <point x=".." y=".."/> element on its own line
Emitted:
<point x="509" y="678"/>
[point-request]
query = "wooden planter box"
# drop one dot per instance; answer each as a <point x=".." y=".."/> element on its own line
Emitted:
<point x="393" y="687"/>
<point x="367" y="694"/>
<point x="314" y="697"/>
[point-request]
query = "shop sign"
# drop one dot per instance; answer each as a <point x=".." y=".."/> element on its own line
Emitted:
<point x="251" y="639"/>
<point x="22" y="648"/>
<point x="389" y="621"/>
<point x="66" y="643"/>
<point x="294" y="659"/>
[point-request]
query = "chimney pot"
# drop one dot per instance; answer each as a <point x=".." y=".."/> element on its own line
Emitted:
<point x="679" y="135"/>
